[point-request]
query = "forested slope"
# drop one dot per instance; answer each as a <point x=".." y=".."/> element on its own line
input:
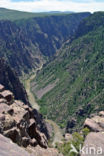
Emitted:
<point x="77" y="74"/>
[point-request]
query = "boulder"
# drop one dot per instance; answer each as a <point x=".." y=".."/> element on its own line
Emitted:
<point x="1" y="87"/>
<point x="4" y="108"/>
<point x="8" y="123"/>
<point x="3" y="100"/>
<point x="25" y="141"/>
<point x="92" y="125"/>
<point x="101" y="113"/>
<point x="20" y="113"/>
<point x="7" y="95"/>
<point x="2" y="117"/>
<point x="96" y="123"/>
<point x="99" y="120"/>
<point x="41" y="139"/>
<point x="14" y="135"/>
<point x="93" y="145"/>
<point x="33" y="142"/>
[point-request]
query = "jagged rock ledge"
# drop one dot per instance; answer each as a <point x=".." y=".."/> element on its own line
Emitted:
<point x="10" y="80"/>
<point x="18" y="123"/>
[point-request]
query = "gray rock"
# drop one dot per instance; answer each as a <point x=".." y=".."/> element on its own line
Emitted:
<point x="92" y="125"/>
<point x="8" y="96"/>
<point x="1" y="87"/>
<point x="94" y="144"/>
<point x="18" y="123"/>
<point x="8" y="148"/>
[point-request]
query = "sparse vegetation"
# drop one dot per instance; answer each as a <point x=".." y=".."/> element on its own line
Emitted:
<point x="77" y="141"/>
<point x="65" y="148"/>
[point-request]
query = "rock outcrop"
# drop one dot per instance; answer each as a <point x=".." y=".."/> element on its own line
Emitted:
<point x="94" y="142"/>
<point x="8" y="148"/>
<point x="41" y="124"/>
<point x="17" y="121"/>
<point x="19" y="127"/>
<point x="96" y="123"/>
<point x="11" y="81"/>
<point x="94" y="145"/>
<point x="42" y="152"/>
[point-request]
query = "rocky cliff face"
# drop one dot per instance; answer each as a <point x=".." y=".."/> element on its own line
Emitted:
<point x="17" y="48"/>
<point x="24" y="43"/>
<point x="52" y="31"/>
<point x="17" y="122"/>
<point x="14" y="150"/>
<point x="11" y="81"/>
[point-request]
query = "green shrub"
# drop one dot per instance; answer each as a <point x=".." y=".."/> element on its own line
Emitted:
<point x="85" y="131"/>
<point x="65" y="148"/>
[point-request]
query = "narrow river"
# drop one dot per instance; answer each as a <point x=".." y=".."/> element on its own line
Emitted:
<point x="57" y="131"/>
<point x="30" y="94"/>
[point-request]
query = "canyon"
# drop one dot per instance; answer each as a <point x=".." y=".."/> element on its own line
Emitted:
<point x="51" y="82"/>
